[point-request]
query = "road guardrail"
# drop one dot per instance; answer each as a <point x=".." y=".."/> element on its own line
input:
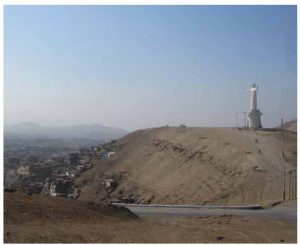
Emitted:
<point x="186" y="206"/>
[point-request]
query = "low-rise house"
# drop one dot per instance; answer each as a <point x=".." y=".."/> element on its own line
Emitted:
<point x="70" y="174"/>
<point x="61" y="187"/>
<point x="23" y="170"/>
<point x="75" y="194"/>
<point x="35" y="188"/>
<point x="41" y="172"/>
<point x="46" y="187"/>
<point x="106" y="155"/>
<point x="73" y="158"/>
<point x="58" y="158"/>
<point x="52" y="190"/>
<point x="109" y="154"/>
<point x="128" y="199"/>
<point x="81" y="168"/>
<point x="110" y="184"/>
<point x="31" y="187"/>
<point x="50" y="163"/>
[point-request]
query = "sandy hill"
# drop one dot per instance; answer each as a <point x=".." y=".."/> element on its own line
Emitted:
<point x="291" y="125"/>
<point x="37" y="218"/>
<point x="25" y="208"/>
<point x="195" y="166"/>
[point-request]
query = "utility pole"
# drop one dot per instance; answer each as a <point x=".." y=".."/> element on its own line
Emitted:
<point x="245" y="121"/>
<point x="290" y="184"/>
<point x="292" y="187"/>
<point x="282" y="132"/>
<point x="295" y="184"/>
<point x="283" y="163"/>
<point x="284" y="183"/>
<point x="236" y="119"/>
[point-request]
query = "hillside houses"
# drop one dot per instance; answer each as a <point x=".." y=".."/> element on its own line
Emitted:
<point x="55" y="175"/>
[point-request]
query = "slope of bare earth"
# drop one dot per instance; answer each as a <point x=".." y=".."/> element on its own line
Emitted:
<point x="291" y="125"/>
<point x="195" y="166"/>
<point x="42" y="219"/>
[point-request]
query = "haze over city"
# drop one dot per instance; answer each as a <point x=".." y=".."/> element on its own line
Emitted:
<point x="150" y="124"/>
<point x="136" y="67"/>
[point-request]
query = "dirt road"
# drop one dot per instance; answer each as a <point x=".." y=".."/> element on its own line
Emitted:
<point x="286" y="212"/>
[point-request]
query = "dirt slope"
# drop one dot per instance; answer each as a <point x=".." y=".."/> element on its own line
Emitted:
<point x="195" y="166"/>
<point x="291" y="125"/>
<point x="22" y="208"/>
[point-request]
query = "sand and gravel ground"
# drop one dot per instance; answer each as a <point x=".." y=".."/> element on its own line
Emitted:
<point x="229" y="229"/>
<point x="40" y="219"/>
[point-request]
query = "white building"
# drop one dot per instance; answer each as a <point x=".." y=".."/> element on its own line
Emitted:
<point x="109" y="154"/>
<point x="52" y="190"/>
<point x="254" y="114"/>
<point x="23" y="170"/>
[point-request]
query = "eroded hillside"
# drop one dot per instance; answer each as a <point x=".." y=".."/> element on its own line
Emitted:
<point x="194" y="166"/>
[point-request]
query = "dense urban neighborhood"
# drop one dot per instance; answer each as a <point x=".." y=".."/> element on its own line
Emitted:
<point x="46" y="170"/>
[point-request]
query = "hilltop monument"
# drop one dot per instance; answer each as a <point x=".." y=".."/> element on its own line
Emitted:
<point x="254" y="114"/>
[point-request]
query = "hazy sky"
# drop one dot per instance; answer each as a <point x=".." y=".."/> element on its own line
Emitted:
<point x="145" y="66"/>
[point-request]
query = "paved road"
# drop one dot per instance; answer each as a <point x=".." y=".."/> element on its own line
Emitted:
<point x="281" y="212"/>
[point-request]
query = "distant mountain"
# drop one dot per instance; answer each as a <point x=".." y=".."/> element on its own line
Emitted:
<point x="96" y="132"/>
